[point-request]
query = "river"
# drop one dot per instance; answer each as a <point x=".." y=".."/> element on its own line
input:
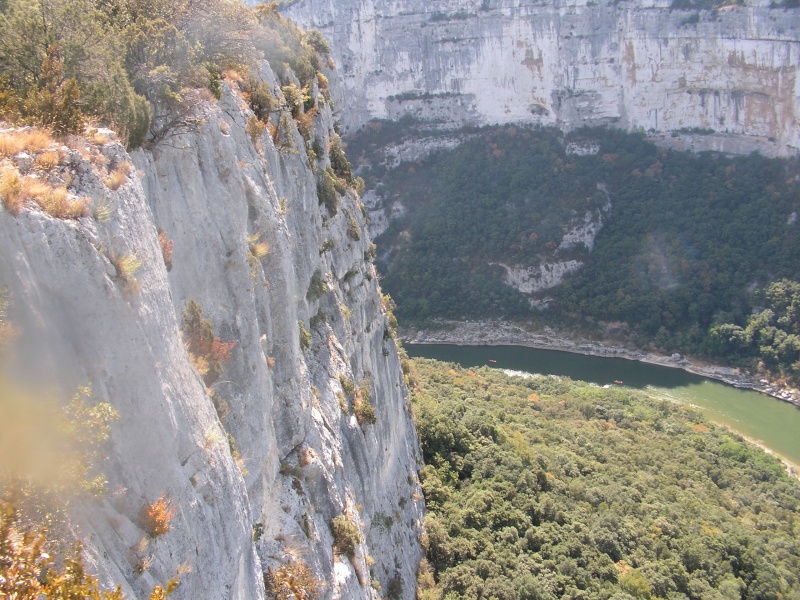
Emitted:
<point x="772" y="423"/>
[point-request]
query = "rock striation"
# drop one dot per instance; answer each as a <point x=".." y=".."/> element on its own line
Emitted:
<point x="285" y="401"/>
<point x="723" y="79"/>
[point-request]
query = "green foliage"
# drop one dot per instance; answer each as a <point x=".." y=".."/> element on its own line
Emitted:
<point x="326" y="191"/>
<point x="259" y="96"/>
<point x="362" y="407"/>
<point x="305" y="336"/>
<point x="771" y="338"/>
<point x="285" y="45"/>
<point x="60" y="64"/>
<point x="285" y="134"/>
<point x="294" y="98"/>
<point x="371" y="252"/>
<point x="138" y="65"/>
<point x="317" y="287"/>
<point x="49" y="453"/>
<point x="214" y="80"/>
<point x="339" y="163"/>
<point x="685" y="237"/>
<point x="348" y="386"/>
<point x="543" y="487"/>
<point x="345" y="535"/>
<point x="118" y="104"/>
<point x="318" y="42"/>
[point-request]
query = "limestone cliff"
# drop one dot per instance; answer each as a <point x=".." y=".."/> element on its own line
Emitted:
<point x="725" y="79"/>
<point x="286" y="400"/>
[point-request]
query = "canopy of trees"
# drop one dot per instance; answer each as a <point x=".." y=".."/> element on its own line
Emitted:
<point x="771" y="339"/>
<point x="686" y="237"/>
<point x="541" y="488"/>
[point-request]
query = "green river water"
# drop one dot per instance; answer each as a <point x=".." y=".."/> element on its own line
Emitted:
<point x="773" y="423"/>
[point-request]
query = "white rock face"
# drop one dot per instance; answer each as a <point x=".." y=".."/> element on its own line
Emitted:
<point x="732" y="73"/>
<point x="529" y="280"/>
<point x="306" y="460"/>
<point x="582" y="232"/>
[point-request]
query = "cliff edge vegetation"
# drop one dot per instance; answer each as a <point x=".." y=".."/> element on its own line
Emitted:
<point x="141" y="68"/>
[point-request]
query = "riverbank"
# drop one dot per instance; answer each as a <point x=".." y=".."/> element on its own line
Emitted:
<point x="504" y="333"/>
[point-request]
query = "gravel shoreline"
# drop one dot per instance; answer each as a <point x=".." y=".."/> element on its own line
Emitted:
<point x="503" y="333"/>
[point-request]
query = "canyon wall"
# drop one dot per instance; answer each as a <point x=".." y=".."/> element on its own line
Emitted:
<point x="725" y="79"/>
<point x="258" y="464"/>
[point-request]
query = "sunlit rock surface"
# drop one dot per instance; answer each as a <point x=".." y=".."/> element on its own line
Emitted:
<point x="722" y="80"/>
<point x="306" y="459"/>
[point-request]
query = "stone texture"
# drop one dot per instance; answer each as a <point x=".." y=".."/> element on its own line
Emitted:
<point x="630" y="64"/>
<point x="306" y="461"/>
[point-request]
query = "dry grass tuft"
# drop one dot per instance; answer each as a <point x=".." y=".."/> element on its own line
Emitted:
<point x="35" y="189"/>
<point x="10" y="144"/>
<point x="98" y="159"/>
<point x="100" y="138"/>
<point x="126" y="266"/>
<point x="231" y="75"/>
<point x="255" y="129"/>
<point x="48" y="160"/>
<point x="257" y="247"/>
<point x="56" y="202"/>
<point x="294" y="580"/>
<point x="118" y="175"/>
<point x="11" y="190"/>
<point x="28" y="140"/>
<point x="103" y="211"/>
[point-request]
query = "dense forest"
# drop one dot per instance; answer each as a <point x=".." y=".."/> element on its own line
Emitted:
<point x="542" y="487"/>
<point x="686" y="241"/>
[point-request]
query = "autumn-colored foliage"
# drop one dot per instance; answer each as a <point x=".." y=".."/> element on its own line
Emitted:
<point x="166" y="248"/>
<point x="206" y="351"/>
<point x="157" y="516"/>
<point x="29" y="570"/>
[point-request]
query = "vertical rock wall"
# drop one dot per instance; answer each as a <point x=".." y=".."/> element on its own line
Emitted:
<point x="731" y="75"/>
<point x="305" y="458"/>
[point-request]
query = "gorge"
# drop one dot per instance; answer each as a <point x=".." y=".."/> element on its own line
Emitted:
<point x="213" y="286"/>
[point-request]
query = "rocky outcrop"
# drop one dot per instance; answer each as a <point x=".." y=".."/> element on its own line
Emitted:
<point x="285" y="401"/>
<point x="723" y="80"/>
<point x="530" y="280"/>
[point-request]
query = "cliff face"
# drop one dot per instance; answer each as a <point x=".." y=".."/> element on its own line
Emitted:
<point x="732" y="73"/>
<point x="306" y="458"/>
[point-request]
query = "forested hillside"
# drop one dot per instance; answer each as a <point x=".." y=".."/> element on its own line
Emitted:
<point x="684" y="242"/>
<point x="541" y="487"/>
